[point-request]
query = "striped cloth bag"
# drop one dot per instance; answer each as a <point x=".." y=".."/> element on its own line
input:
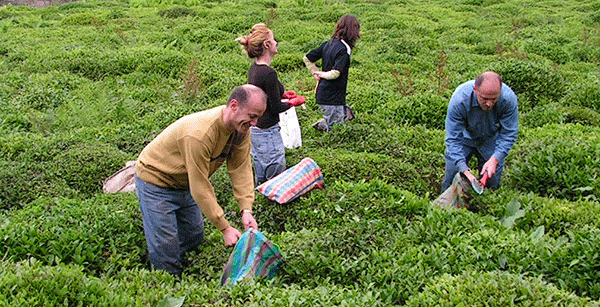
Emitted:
<point x="457" y="195"/>
<point x="253" y="256"/>
<point x="293" y="182"/>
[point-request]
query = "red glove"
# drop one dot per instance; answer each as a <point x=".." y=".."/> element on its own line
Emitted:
<point x="289" y="95"/>
<point x="296" y="101"/>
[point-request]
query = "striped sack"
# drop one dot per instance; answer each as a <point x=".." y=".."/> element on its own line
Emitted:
<point x="457" y="195"/>
<point x="293" y="182"/>
<point x="253" y="256"/>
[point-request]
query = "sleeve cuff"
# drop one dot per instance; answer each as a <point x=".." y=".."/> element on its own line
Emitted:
<point x="221" y="223"/>
<point x="500" y="157"/>
<point x="462" y="167"/>
<point x="245" y="206"/>
<point x="330" y="75"/>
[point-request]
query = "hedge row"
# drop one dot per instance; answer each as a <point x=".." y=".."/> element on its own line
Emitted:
<point x="556" y="161"/>
<point x="557" y="216"/>
<point x="68" y="285"/>
<point x="347" y="242"/>
<point x="103" y="234"/>
<point x="35" y="166"/>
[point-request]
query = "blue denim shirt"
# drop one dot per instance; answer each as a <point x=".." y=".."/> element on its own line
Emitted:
<point x="468" y="124"/>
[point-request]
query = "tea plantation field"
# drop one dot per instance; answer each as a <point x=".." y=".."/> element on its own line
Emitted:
<point x="84" y="86"/>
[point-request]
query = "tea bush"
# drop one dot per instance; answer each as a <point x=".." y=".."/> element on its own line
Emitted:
<point x="103" y="233"/>
<point x="437" y="243"/>
<point x="557" y="216"/>
<point x="96" y="66"/>
<point x="575" y="266"/>
<point x="428" y="110"/>
<point x="496" y="289"/>
<point x="556" y="160"/>
<point x="532" y="81"/>
<point x="339" y="203"/>
<point x="550" y="113"/>
<point x="84" y="167"/>
<point x="85" y="86"/>
<point x="176" y="12"/>
<point x="30" y="283"/>
<point x="340" y="164"/>
<point x="413" y="144"/>
<point x="582" y="115"/>
<point x="54" y="166"/>
<point x="25" y="182"/>
<point x="585" y="93"/>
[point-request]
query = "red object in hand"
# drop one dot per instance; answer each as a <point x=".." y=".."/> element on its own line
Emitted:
<point x="484" y="179"/>
<point x="289" y="95"/>
<point x="296" y="101"/>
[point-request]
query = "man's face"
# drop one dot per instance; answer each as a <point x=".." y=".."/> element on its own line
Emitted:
<point x="488" y="93"/>
<point x="247" y="115"/>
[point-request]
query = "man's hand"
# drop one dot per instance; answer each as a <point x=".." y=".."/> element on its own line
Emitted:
<point x="248" y="221"/>
<point x="490" y="167"/>
<point x="231" y="236"/>
<point x="469" y="176"/>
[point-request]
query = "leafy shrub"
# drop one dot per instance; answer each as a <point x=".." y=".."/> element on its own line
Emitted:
<point x="15" y="122"/>
<point x="575" y="266"/>
<point x="532" y="81"/>
<point x="84" y="167"/>
<point x="103" y="234"/>
<point x="557" y="216"/>
<point x="440" y="242"/>
<point x="427" y="109"/>
<point x="288" y="62"/>
<point x="552" y="51"/>
<point x="584" y="93"/>
<point x="412" y="144"/>
<point x="556" y="161"/>
<point x="94" y="65"/>
<point x="494" y="288"/>
<point x="31" y="283"/>
<point x="582" y="115"/>
<point x="25" y="182"/>
<point x="176" y="12"/>
<point x="54" y="166"/>
<point x="550" y="113"/>
<point x="47" y="91"/>
<point x="79" y="19"/>
<point x="339" y="203"/>
<point x="348" y="166"/>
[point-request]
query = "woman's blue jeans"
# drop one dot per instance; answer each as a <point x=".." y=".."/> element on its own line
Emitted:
<point x="268" y="153"/>
<point x="173" y="224"/>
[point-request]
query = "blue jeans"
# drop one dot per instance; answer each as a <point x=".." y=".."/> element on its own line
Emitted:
<point x="268" y="153"/>
<point x="332" y="114"/>
<point x="173" y="224"/>
<point x="483" y="154"/>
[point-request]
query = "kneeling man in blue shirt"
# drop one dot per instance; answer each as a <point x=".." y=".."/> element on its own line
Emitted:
<point x="482" y="120"/>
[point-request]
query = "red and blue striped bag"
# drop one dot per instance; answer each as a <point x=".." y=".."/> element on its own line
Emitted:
<point x="293" y="182"/>
<point x="253" y="256"/>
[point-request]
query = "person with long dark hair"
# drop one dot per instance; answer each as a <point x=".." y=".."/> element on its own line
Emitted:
<point x="333" y="77"/>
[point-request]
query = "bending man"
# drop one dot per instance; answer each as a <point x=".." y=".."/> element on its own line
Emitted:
<point x="482" y="120"/>
<point x="172" y="177"/>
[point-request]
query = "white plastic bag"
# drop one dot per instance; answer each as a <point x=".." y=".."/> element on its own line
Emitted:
<point x="290" y="128"/>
